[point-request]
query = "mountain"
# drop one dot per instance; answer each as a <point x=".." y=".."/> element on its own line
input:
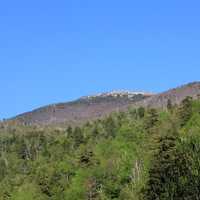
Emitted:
<point x="97" y="106"/>
<point x="175" y="95"/>
<point x="83" y="109"/>
<point x="126" y="156"/>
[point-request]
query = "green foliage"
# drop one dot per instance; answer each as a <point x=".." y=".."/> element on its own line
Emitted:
<point x="174" y="173"/>
<point x="78" y="136"/>
<point x="185" y="111"/>
<point x="151" y="119"/>
<point x="27" y="191"/>
<point x="141" y="112"/>
<point x="164" y="171"/>
<point x="146" y="154"/>
<point x="3" y="167"/>
<point x="169" y="105"/>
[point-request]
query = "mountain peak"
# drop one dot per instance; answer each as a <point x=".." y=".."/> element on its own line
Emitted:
<point x="96" y="106"/>
<point x="83" y="109"/>
<point x="118" y="93"/>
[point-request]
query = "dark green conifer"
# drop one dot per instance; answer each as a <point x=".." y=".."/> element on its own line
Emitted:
<point x="185" y="111"/>
<point x="141" y="112"/>
<point x="151" y="119"/>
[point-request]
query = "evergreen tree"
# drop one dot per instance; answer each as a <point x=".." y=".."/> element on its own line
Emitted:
<point x="110" y="158"/>
<point x="151" y="119"/>
<point x="78" y="136"/>
<point x="141" y="112"/>
<point x="110" y="127"/>
<point x="169" y="105"/>
<point x="174" y="172"/>
<point x="95" y="132"/>
<point x="162" y="172"/>
<point x="185" y="111"/>
<point x="24" y="150"/>
<point x="69" y="131"/>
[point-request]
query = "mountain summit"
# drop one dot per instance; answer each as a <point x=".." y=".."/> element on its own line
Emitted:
<point x="84" y="109"/>
<point x="118" y="93"/>
<point x="96" y="106"/>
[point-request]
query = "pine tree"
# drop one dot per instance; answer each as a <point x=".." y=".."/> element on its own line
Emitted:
<point x="174" y="174"/>
<point x="110" y="127"/>
<point x="185" y="111"/>
<point x="162" y="171"/>
<point x="69" y="131"/>
<point x="78" y="136"/>
<point x="151" y="119"/>
<point x="169" y="105"/>
<point x="141" y="112"/>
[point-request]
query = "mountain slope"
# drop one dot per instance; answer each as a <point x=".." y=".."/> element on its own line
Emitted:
<point x="175" y="95"/>
<point x="100" y="105"/>
<point x="125" y="156"/>
<point x="83" y="109"/>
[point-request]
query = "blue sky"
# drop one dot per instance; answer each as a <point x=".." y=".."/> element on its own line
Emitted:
<point x="55" y="51"/>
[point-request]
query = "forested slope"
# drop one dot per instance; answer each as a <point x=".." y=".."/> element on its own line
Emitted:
<point x="146" y="154"/>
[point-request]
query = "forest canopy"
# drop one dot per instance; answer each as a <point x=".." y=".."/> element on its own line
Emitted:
<point x="141" y="154"/>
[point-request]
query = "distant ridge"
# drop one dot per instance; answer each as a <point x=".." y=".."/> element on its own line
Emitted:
<point x="81" y="110"/>
<point x="97" y="106"/>
<point x="117" y="93"/>
<point x="175" y="95"/>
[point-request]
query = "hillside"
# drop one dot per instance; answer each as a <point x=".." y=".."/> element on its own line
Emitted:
<point x="83" y="109"/>
<point x="175" y="95"/>
<point x="141" y="154"/>
<point x="98" y="106"/>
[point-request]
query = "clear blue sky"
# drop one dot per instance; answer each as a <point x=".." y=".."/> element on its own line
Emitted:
<point x="55" y="51"/>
